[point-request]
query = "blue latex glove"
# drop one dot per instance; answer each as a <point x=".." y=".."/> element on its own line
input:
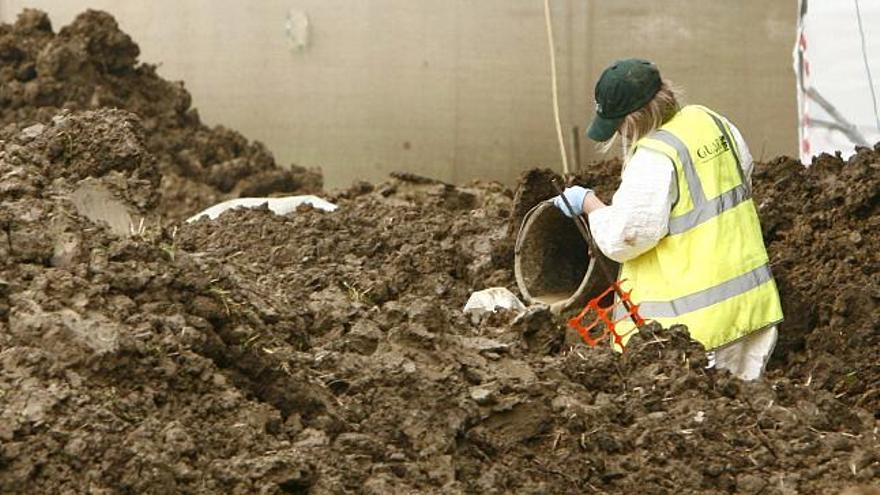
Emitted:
<point x="575" y="196"/>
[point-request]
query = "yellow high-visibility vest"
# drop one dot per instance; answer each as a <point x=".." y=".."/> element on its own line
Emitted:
<point x="711" y="271"/>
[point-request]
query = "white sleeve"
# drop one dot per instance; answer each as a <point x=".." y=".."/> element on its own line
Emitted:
<point x="638" y="216"/>
<point x="745" y="156"/>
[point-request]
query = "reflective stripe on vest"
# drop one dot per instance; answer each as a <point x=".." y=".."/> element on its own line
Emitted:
<point x="704" y="298"/>
<point x="703" y="209"/>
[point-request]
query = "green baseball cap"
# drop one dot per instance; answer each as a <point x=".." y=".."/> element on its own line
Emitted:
<point x="625" y="86"/>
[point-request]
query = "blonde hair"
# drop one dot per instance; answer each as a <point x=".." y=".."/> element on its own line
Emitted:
<point x="662" y="107"/>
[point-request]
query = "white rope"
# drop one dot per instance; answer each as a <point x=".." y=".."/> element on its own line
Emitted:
<point x="555" y="89"/>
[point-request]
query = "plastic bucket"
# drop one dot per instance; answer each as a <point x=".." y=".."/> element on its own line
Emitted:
<point x="552" y="263"/>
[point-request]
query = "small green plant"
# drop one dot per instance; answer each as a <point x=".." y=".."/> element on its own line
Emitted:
<point x="170" y="247"/>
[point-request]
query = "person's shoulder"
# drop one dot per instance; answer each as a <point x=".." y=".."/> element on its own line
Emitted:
<point x="705" y="109"/>
<point x="695" y="107"/>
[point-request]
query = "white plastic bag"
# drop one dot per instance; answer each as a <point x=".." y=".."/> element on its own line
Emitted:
<point x="279" y="206"/>
<point x="489" y="300"/>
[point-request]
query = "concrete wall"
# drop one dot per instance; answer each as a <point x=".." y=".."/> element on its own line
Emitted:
<point x="457" y="89"/>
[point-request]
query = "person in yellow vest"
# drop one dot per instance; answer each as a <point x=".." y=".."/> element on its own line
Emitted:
<point x="682" y="224"/>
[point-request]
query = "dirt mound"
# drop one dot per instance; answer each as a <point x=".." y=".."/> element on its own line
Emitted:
<point x="327" y="352"/>
<point x="108" y="377"/>
<point x="429" y="401"/>
<point x="92" y="64"/>
<point x="536" y="185"/>
<point x="822" y="230"/>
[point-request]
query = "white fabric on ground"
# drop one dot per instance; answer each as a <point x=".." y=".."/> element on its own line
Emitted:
<point x="279" y="206"/>
<point x="488" y="300"/>
<point x="747" y="357"/>
<point x="638" y="215"/>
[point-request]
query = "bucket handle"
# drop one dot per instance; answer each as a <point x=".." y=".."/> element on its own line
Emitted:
<point x="522" y="226"/>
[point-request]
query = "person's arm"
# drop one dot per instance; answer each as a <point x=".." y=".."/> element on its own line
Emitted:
<point x="638" y="215"/>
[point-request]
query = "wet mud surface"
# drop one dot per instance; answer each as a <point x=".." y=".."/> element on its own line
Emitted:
<point x="327" y="353"/>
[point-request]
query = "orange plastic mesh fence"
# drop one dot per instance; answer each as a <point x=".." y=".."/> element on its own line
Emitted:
<point x="605" y="316"/>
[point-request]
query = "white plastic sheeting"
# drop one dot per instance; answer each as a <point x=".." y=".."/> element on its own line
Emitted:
<point x="489" y="300"/>
<point x="837" y="64"/>
<point x="279" y="206"/>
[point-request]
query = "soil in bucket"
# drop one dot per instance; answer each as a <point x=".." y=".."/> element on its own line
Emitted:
<point x="552" y="258"/>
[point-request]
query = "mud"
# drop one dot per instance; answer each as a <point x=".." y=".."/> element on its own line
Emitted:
<point x="822" y="229"/>
<point x="327" y="353"/>
<point x="91" y="64"/>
